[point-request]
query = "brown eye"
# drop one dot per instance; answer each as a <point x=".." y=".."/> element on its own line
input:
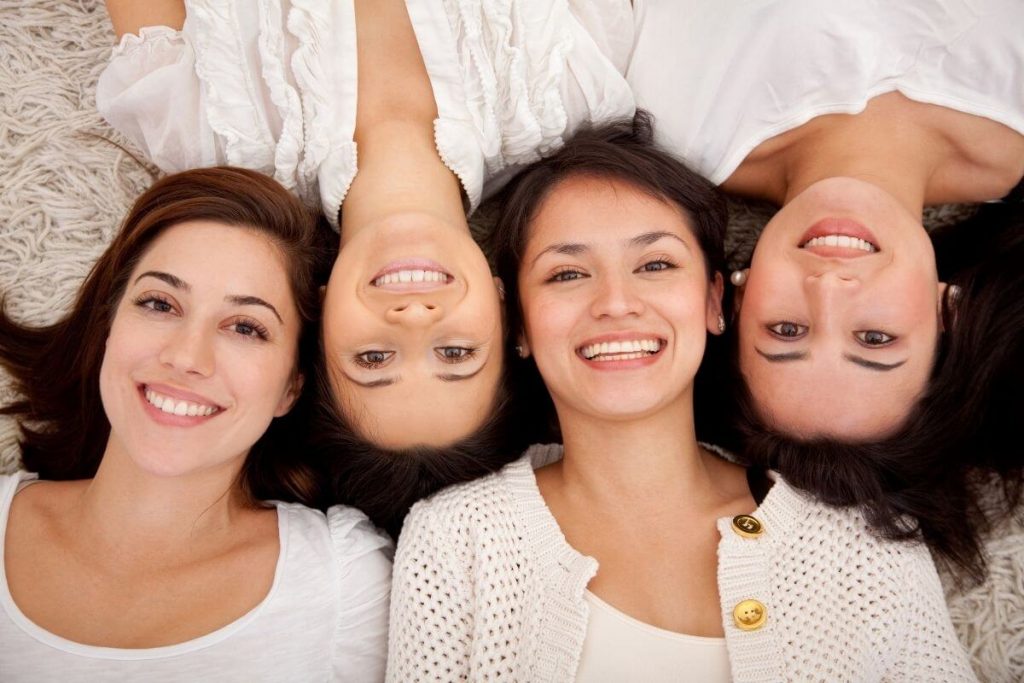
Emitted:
<point x="455" y="354"/>
<point x="788" y="331"/>
<point x="874" y="338"/>
<point x="373" y="359"/>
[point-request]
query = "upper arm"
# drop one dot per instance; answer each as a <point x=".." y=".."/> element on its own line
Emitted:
<point x="128" y="16"/>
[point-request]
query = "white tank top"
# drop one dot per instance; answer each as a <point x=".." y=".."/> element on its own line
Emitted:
<point x="723" y="76"/>
<point x="622" y="649"/>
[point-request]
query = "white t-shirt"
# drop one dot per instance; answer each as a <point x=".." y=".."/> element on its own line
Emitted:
<point x="271" y="85"/>
<point x="723" y="76"/>
<point x="324" y="619"/>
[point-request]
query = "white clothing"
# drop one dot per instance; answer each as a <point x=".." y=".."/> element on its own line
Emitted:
<point x="324" y="618"/>
<point x="620" y="649"/>
<point x="486" y="586"/>
<point x="271" y="85"/>
<point x="722" y="77"/>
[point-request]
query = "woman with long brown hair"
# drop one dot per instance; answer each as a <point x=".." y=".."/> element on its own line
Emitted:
<point x="157" y="417"/>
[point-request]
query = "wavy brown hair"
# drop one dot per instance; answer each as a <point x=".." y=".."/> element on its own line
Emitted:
<point x="64" y="429"/>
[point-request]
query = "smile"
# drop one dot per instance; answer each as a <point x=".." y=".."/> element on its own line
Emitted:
<point x="178" y="407"/>
<point x="841" y="241"/>
<point x="409" y="276"/>
<point x="627" y="349"/>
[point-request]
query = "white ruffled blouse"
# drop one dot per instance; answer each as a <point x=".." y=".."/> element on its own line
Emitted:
<point x="271" y="85"/>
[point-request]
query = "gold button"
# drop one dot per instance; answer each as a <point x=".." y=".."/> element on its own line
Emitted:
<point x="747" y="526"/>
<point x="749" y="615"/>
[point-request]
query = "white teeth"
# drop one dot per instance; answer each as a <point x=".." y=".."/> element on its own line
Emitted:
<point x="181" y="408"/>
<point x="402" y="276"/>
<point x="621" y="350"/>
<point x="845" y="241"/>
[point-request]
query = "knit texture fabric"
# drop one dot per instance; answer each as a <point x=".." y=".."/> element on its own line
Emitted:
<point x="487" y="588"/>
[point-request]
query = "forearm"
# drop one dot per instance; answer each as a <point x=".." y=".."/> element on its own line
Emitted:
<point x="128" y="16"/>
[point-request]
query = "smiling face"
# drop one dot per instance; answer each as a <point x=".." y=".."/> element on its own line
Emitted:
<point x="413" y="332"/>
<point x="839" y="318"/>
<point x="616" y="300"/>
<point x="201" y="354"/>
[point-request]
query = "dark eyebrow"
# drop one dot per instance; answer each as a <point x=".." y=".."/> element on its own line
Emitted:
<point x="649" y="238"/>
<point x="568" y="248"/>
<point x="173" y="281"/>
<point x="873" y="365"/>
<point x="782" y="357"/>
<point x="452" y="377"/>
<point x="239" y="300"/>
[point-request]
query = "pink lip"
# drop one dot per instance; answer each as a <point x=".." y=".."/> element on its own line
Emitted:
<point x="170" y="419"/>
<point x="839" y="226"/>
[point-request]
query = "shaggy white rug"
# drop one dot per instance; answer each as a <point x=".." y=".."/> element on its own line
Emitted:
<point x="65" y="184"/>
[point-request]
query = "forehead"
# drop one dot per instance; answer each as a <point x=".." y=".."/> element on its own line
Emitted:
<point x="826" y="395"/>
<point x="593" y="208"/>
<point x="212" y="249"/>
<point x="420" y="409"/>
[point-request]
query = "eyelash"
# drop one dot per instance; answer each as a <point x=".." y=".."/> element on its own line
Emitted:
<point x="668" y="264"/>
<point x="469" y="352"/>
<point x="863" y="342"/>
<point x="557" y="276"/>
<point x="147" y="299"/>
<point x="151" y="302"/>
<point x="801" y="331"/>
<point x="361" y="361"/>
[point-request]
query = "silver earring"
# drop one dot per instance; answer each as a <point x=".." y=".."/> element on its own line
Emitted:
<point x="739" y="277"/>
<point x="721" y="323"/>
<point x="954" y="293"/>
<point x="519" y="351"/>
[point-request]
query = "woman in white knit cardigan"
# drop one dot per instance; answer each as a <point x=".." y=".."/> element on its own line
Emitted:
<point x="633" y="552"/>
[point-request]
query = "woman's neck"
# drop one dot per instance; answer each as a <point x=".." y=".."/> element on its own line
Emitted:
<point x="132" y="511"/>
<point x="654" y="461"/>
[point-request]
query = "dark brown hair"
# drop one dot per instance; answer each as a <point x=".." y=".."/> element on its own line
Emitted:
<point x="623" y="151"/>
<point x="56" y="367"/>
<point x="930" y="478"/>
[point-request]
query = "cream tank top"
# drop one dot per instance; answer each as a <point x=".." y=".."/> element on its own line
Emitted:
<point x="621" y="649"/>
<point x="723" y="76"/>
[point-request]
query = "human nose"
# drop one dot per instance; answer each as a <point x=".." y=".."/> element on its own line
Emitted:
<point x="828" y="286"/>
<point x="616" y="297"/>
<point x="414" y="314"/>
<point x="189" y="349"/>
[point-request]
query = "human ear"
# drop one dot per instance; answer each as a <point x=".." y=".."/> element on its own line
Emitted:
<point x="500" y="286"/>
<point x="715" y="321"/>
<point x="291" y="395"/>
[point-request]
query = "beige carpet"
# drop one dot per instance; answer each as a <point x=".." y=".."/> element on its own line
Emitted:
<point x="65" y="183"/>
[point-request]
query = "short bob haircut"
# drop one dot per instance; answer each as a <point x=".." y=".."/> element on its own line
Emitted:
<point x="623" y="151"/>
<point x="932" y="477"/>
<point x="64" y="429"/>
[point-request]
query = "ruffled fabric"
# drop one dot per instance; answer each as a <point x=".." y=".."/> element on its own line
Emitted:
<point x="325" y="71"/>
<point x="504" y="79"/>
<point x="232" y="101"/>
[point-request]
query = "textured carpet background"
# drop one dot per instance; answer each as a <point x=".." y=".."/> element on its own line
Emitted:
<point x="65" y="182"/>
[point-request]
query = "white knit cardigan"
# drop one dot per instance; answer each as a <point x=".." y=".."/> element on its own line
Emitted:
<point x="486" y="587"/>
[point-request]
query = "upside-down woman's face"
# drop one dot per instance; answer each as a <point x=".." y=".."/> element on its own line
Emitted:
<point x="413" y="333"/>
<point x="616" y="300"/>
<point x="839" y="318"/>
<point x="202" y="351"/>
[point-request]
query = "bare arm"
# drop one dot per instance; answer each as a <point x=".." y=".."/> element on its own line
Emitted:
<point x="128" y="16"/>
